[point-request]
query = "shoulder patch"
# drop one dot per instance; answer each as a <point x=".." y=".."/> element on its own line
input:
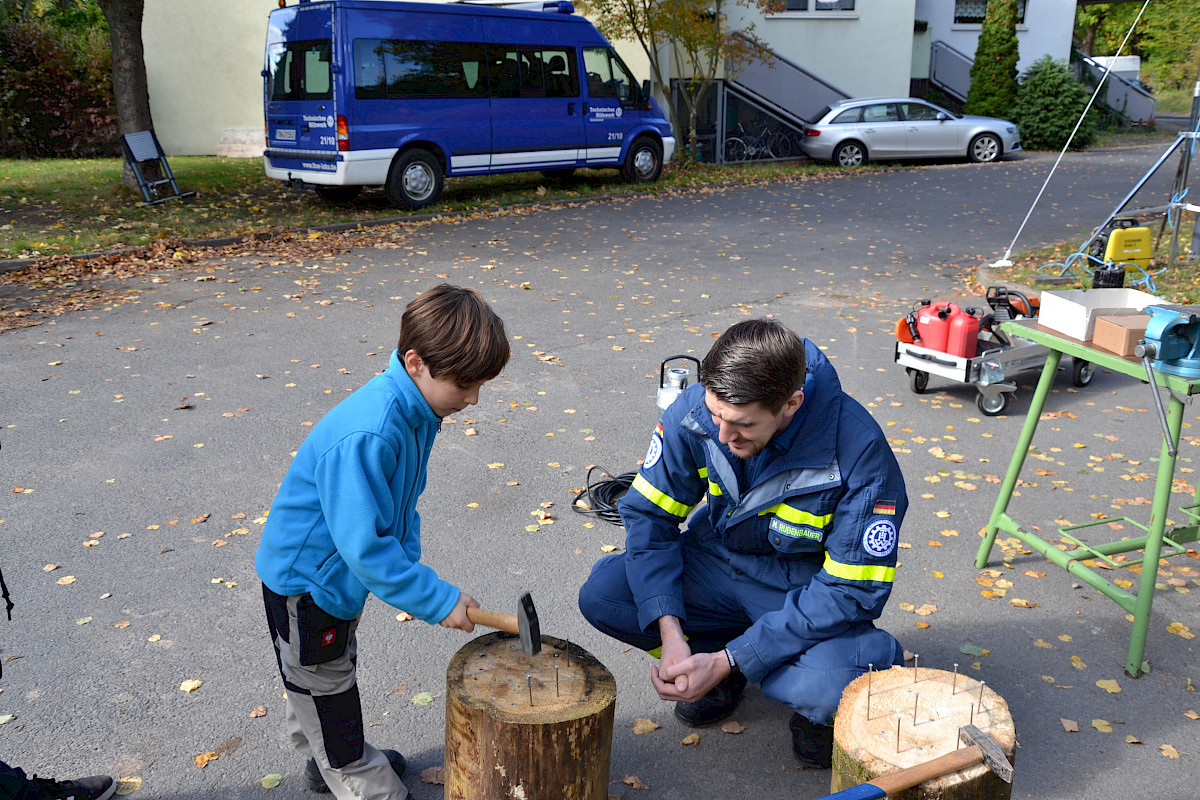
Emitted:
<point x="879" y="539"/>
<point x="653" y="452"/>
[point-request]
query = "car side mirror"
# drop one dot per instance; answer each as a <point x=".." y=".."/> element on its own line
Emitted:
<point x="942" y="116"/>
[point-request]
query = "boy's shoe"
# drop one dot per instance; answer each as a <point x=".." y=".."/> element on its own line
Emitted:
<point x="719" y="703"/>
<point x="812" y="743"/>
<point x="316" y="782"/>
<point x="97" y="787"/>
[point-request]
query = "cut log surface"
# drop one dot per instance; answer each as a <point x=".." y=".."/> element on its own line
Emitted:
<point x="911" y="716"/>
<point x="524" y="727"/>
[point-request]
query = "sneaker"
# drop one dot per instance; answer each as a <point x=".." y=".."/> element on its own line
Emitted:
<point x="97" y="787"/>
<point x="316" y="782"/>
<point x="812" y="743"/>
<point x="719" y="703"/>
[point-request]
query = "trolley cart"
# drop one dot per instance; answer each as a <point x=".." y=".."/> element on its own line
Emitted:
<point x="998" y="357"/>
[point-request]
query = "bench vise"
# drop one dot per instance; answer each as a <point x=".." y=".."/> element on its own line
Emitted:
<point x="1172" y="340"/>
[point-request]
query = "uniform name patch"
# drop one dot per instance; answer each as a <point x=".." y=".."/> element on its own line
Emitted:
<point x="795" y="531"/>
<point x="885" y="508"/>
<point x="879" y="539"/>
<point x="653" y="452"/>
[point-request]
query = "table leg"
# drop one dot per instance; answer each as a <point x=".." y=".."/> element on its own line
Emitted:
<point x="1036" y="404"/>
<point x="1158" y="521"/>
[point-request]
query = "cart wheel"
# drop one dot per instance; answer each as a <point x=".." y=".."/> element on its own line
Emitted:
<point x="918" y="381"/>
<point x="991" y="406"/>
<point x="1082" y="372"/>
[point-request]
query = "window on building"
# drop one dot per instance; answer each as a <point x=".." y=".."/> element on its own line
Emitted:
<point x="971" y="12"/>
<point x="819" y="5"/>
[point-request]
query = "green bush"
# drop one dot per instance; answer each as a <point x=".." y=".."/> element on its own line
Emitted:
<point x="56" y="96"/>
<point x="1049" y="104"/>
<point x="993" y="91"/>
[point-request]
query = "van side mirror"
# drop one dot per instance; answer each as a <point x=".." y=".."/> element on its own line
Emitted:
<point x="646" y="90"/>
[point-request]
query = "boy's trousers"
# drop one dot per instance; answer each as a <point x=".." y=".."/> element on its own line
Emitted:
<point x="317" y="654"/>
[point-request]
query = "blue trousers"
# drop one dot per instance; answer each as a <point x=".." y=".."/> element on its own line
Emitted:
<point x="724" y="594"/>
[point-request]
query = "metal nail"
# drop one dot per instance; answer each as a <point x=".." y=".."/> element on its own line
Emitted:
<point x="972" y="713"/>
<point x="870" y="672"/>
<point x="954" y="683"/>
<point x="915" y="701"/>
<point x="529" y="680"/>
<point x="897" y="734"/>
<point x="981" y="696"/>
<point x="916" y="662"/>
<point x="557" y="693"/>
<point x="568" y="651"/>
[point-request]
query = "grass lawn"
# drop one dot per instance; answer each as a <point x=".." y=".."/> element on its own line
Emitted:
<point x="58" y="207"/>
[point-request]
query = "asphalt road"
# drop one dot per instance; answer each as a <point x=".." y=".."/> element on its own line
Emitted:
<point x="166" y="423"/>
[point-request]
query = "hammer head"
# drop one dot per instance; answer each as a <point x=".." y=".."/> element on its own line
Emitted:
<point x="993" y="757"/>
<point x="528" y="625"/>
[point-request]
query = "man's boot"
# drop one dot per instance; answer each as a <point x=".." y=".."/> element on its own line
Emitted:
<point x="715" y="706"/>
<point x="812" y="743"/>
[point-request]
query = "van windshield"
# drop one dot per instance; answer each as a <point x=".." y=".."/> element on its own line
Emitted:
<point x="299" y="71"/>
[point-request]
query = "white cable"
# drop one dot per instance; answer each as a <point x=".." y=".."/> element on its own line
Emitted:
<point x="1006" y="261"/>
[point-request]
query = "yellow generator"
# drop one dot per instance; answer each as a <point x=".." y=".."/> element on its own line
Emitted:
<point x="1129" y="246"/>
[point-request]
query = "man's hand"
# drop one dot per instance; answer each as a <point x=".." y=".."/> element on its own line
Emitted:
<point x="690" y="679"/>
<point x="457" y="618"/>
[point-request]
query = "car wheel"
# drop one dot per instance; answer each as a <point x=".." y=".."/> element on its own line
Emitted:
<point x="1082" y="372"/>
<point x="991" y="406"/>
<point x="415" y="179"/>
<point x="850" y="154"/>
<point x="338" y="194"/>
<point x="985" y="148"/>
<point x="643" y="163"/>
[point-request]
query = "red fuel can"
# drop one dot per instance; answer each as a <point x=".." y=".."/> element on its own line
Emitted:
<point x="963" y="339"/>
<point x="933" y="324"/>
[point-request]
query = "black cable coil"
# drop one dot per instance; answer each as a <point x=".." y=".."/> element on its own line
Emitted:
<point x="600" y="497"/>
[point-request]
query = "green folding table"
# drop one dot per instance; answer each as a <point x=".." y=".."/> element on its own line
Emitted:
<point x="1083" y="560"/>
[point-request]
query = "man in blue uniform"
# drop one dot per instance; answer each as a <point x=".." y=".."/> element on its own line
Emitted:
<point x="778" y="578"/>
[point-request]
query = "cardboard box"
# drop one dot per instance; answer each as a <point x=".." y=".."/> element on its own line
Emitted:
<point x="1120" y="334"/>
<point x="1074" y="312"/>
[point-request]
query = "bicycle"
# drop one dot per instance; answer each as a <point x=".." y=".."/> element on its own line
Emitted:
<point x="769" y="143"/>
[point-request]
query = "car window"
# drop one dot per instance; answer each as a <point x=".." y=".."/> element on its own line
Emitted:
<point x="849" y="115"/>
<point x="919" y="111"/>
<point x="881" y="112"/>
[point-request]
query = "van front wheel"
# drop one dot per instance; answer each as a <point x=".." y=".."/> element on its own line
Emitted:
<point x="643" y="163"/>
<point x="415" y="180"/>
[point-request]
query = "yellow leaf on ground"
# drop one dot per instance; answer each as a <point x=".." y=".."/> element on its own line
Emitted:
<point x="1110" y="686"/>
<point x="632" y="781"/>
<point x="1168" y="751"/>
<point x="202" y="760"/>
<point x="926" y="609"/>
<point x="1179" y="629"/>
<point x="1077" y="663"/>
<point x="259" y="711"/>
<point x="1191" y="714"/>
<point x="268" y="781"/>
<point x="609" y="548"/>
<point x="495" y="465"/>
<point x="1043" y="644"/>
<point x="190" y="686"/>
<point x="691" y="739"/>
<point x="404" y="616"/>
<point x="641" y="726"/>
<point x="921" y="624"/>
<point x="732" y="727"/>
<point x="1133" y="740"/>
<point x="65" y="580"/>
<point x="1102" y="725"/>
<point x="1019" y="603"/>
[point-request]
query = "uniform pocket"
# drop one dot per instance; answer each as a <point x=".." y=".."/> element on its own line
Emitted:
<point x="323" y="637"/>
<point x="799" y="527"/>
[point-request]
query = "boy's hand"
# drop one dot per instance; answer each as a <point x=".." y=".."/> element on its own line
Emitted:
<point x="457" y="618"/>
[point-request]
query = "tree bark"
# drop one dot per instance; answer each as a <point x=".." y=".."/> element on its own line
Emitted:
<point x="130" y="88"/>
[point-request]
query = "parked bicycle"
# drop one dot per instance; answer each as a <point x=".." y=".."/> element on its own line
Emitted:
<point x="768" y="143"/>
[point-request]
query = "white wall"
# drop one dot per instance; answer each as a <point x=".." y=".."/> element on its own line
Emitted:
<point x="203" y="65"/>
<point x="1046" y="30"/>
<point x="864" y="52"/>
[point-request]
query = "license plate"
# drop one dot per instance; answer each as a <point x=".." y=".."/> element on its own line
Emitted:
<point x="285" y="134"/>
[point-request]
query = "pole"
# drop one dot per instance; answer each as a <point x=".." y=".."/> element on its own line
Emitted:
<point x="1193" y="122"/>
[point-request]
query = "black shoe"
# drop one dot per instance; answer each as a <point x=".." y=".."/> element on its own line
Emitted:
<point x="812" y="743"/>
<point x="97" y="787"/>
<point x="719" y="703"/>
<point x="316" y="782"/>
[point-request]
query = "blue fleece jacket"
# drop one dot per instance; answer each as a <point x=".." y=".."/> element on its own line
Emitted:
<point x="344" y="522"/>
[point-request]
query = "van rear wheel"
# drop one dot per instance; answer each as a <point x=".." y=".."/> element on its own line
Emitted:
<point x="643" y="162"/>
<point x="415" y="180"/>
<point x="338" y="194"/>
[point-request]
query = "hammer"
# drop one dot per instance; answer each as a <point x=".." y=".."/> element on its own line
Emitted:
<point x="525" y="624"/>
<point x="981" y="750"/>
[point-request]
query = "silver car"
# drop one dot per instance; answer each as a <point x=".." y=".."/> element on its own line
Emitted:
<point x="850" y="132"/>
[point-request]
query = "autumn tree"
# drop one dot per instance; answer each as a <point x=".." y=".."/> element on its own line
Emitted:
<point x="699" y="38"/>
<point x="130" y="89"/>
<point x="993" y="91"/>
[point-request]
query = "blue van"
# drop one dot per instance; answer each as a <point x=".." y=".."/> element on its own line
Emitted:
<point x="401" y="94"/>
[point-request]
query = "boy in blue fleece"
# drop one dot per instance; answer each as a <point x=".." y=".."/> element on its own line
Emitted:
<point x="345" y="524"/>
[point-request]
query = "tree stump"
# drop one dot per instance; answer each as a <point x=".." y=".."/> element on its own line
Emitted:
<point x="524" y="727"/>
<point x="929" y="706"/>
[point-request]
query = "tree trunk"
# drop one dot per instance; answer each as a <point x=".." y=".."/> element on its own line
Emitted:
<point x="524" y="727"/>
<point x="1089" y="43"/>
<point x="129" y="71"/>
<point x="930" y="706"/>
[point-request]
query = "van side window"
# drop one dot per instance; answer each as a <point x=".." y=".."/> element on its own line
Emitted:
<point x="607" y="76"/>
<point x="393" y="68"/>
<point x="561" y="78"/>
<point x="300" y="71"/>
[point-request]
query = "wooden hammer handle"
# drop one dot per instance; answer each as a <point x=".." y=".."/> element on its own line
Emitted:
<point x="898" y="781"/>
<point x="493" y="619"/>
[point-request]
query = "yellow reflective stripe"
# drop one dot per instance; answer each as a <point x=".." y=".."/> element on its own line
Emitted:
<point x="793" y="514"/>
<point x="702" y="472"/>
<point x="665" y="502"/>
<point x="859" y="572"/>
<point x="714" y="490"/>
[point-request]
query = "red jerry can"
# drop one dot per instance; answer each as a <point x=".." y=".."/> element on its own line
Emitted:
<point x="933" y="324"/>
<point x="963" y="340"/>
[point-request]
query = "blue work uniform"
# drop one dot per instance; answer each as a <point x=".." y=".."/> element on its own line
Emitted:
<point x="786" y="564"/>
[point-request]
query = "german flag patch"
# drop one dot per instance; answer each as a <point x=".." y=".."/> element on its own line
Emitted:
<point x="885" y="508"/>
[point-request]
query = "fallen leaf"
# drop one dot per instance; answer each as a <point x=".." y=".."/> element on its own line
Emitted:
<point x="609" y="548"/>
<point x="1133" y="740"/>
<point x="1168" y="751"/>
<point x="633" y="780"/>
<point x="202" y="760"/>
<point x="1191" y="714"/>
<point x="83" y="620"/>
<point x="65" y="580"/>
<point x="1110" y="686"/>
<point x="1019" y="603"/>
<point x="732" y="727"/>
<point x="201" y="518"/>
<point x="692" y="739"/>
<point x="1069" y="725"/>
<point x="434" y="775"/>
<point x="4" y="718"/>
<point x="423" y="699"/>
<point x="925" y="610"/>
<point x="1102" y="725"/>
<point x="49" y="567"/>
<point x="259" y="711"/>
<point x="1043" y="644"/>
<point x="641" y="726"/>
<point x="270" y="781"/>
<point x="190" y="686"/>
<point x="404" y="616"/>
<point x="122" y="624"/>
<point x="130" y="784"/>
